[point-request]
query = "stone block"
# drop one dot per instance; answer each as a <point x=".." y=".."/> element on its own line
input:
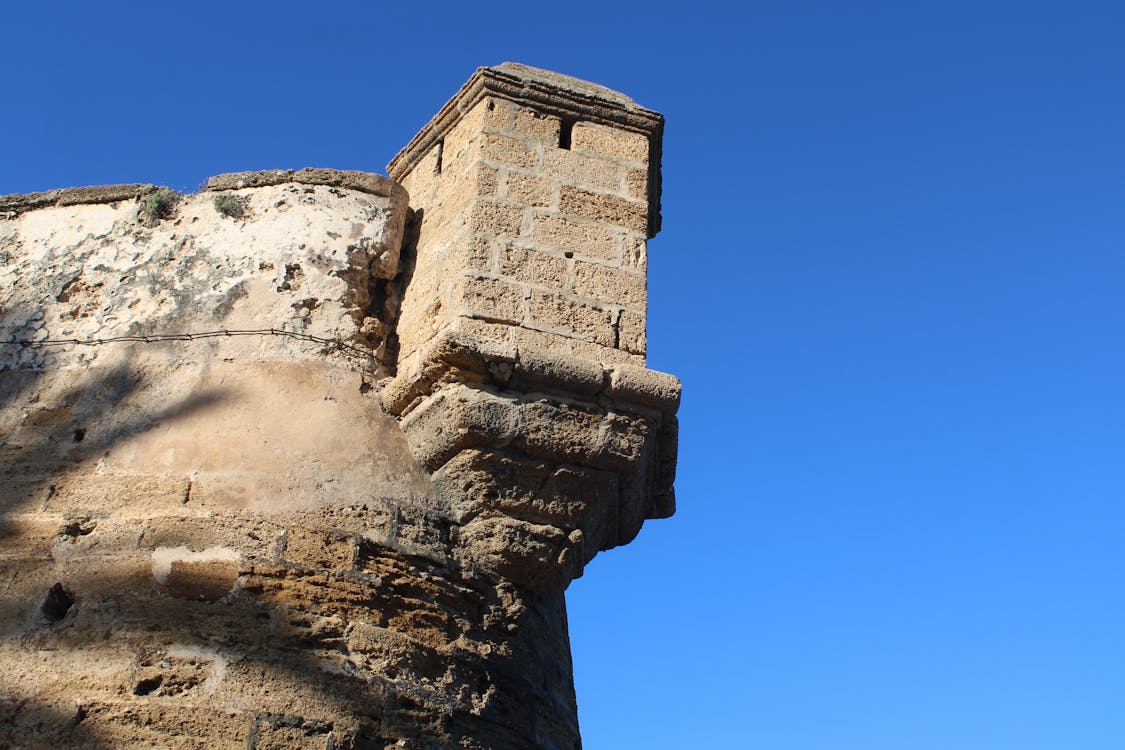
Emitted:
<point x="495" y="218"/>
<point x="468" y="254"/>
<point x="636" y="184"/>
<point x="583" y="170"/>
<point x="534" y="267"/>
<point x="324" y="549"/>
<point x="500" y="332"/>
<point x="506" y="151"/>
<point x="128" y="495"/>
<point x="539" y="370"/>
<point x="529" y="123"/>
<point x="610" y="285"/>
<point x="492" y="299"/>
<point x="631" y="332"/>
<point x="639" y="385"/>
<point x="615" y="142"/>
<point x="634" y="252"/>
<point x="543" y="340"/>
<point x="529" y="190"/>
<point x="583" y="239"/>
<point x="584" y="321"/>
<point x="558" y="432"/>
<point x="102" y="194"/>
<point x="207" y="575"/>
<point x="456" y="418"/>
<point x="487" y="179"/>
<point x="607" y="209"/>
<point x="625" y="443"/>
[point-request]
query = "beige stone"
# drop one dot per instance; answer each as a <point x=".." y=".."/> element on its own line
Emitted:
<point x="493" y="299"/>
<point x="507" y="151"/>
<point x="534" y="267"/>
<point x="530" y="123"/>
<point x="554" y="311"/>
<point x="584" y="239"/>
<point x="610" y="285"/>
<point x="614" y="142"/>
<point x="603" y="208"/>
<point x="496" y="219"/>
<point x="583" y="170"/>
<point x="329" y="485"/>
<point x="632" y="332"/>
<point x="529" y="190"/>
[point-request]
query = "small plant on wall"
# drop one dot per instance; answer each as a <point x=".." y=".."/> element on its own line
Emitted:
<point x="230" y="205"/>
<point x="159" y="205"/>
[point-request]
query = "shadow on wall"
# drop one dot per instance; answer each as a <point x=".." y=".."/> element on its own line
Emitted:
<point x="52" y="425"/>
<point x="321" y="627"/>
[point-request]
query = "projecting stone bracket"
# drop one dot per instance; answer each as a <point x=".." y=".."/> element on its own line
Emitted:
<point x="542" y="459"/>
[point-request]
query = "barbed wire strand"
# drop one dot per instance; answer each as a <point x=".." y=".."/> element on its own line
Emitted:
<point x="150" y="338"/>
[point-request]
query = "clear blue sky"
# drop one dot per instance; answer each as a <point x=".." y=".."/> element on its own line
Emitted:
<point x="892" y="279"/>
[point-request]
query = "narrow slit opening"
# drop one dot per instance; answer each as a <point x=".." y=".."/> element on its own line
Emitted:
<point x="437" y="155"/>
<point x="566" y="130"/>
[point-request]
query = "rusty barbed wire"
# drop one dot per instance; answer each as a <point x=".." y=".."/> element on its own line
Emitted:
<point x="148" y="338"/>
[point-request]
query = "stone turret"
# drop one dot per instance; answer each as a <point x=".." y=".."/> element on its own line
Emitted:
<point x="308" y="459"/>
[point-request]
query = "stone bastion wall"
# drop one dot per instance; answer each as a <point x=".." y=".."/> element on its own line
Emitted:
<point x="309" y="458"/>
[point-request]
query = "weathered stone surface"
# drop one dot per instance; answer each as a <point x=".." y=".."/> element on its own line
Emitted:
<point x="342" y="512"/>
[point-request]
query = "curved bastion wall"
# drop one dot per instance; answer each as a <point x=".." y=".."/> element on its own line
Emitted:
<point x="309" y="458"/>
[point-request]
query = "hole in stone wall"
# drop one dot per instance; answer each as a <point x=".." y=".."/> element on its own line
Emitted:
<point x="80" y="434"/>
<point x="568" y="254"/>
<point x="437" y="155"/>
<point x="566" y="130"/>
<point x="145" y="687"/>
<point x="57" y="604"/>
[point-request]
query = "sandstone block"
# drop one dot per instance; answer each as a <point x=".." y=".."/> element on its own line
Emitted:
<point x="601" y="139"/>
<point x="582" y="320"/>
<point x="543" y="340"/>
<point x="495" y="218"/>
<point x="634" y="252"/>
<point x="583" y="239"/>
<point x="536" y="556"/>
<point x="320" y="549"/>
<point x="539" y="370"/>
<point x="119" y="494"/>
<point x="456" y="418"/>
<point x="534" y="267"/>
<point x="507" y="151"/>
<point x="499" y="332"/>
<point x="610" y="285"/>
<point x="558" y="432"/>
<point x="607" y="209"/>
<point x="492" y="299"/>
<point x="640" y="385"/>
<point x="468" y="254"/>
<point x="636" y="184"/>
<point x="529" y="190"/>
<point x="208" y="575"/>
<point x="583" y="170"/>
<point x="532" y="124"/>
<point x="631" y="332"/>
<point x="625" y="443"/>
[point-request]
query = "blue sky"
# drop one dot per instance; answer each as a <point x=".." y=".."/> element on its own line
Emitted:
<point x="891" y="278"/>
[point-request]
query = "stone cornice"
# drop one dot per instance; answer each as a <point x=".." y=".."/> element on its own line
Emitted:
<point x="550" y="93"/>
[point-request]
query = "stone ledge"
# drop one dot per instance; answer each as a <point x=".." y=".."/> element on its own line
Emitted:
<point x="456" y="356"/>
<point x="549" y="93"/>
<point x="363" y="182"/>
<point x="20" y="202"/>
